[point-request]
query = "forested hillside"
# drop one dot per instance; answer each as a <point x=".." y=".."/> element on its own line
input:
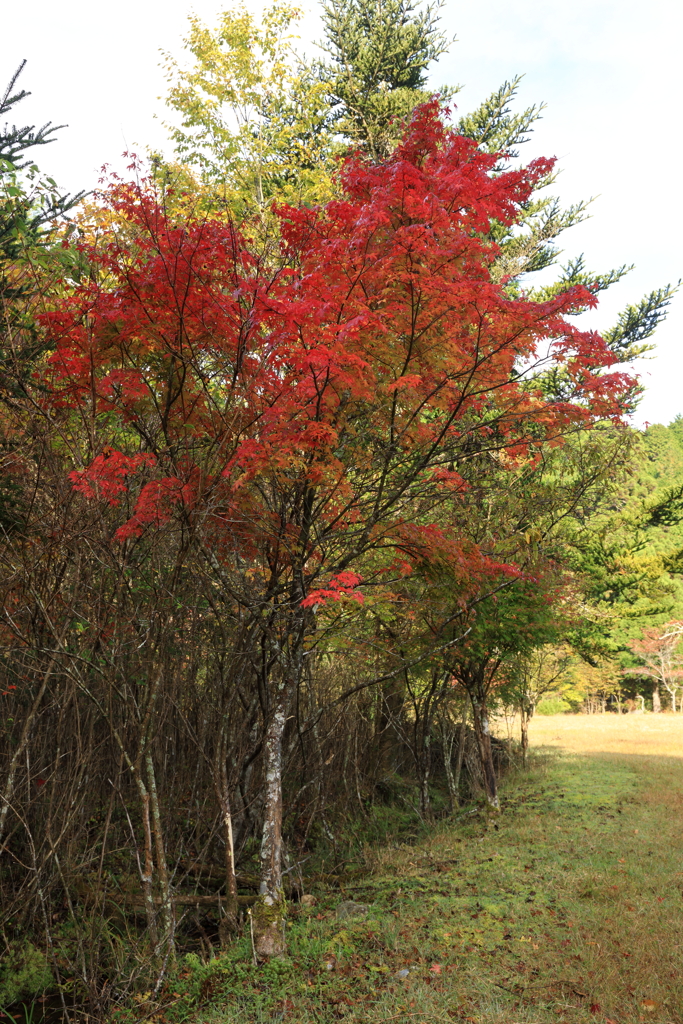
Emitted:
<point x="303" y="481"/>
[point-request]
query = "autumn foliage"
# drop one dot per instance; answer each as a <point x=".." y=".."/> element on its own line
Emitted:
<point x="284" y="399"/>
<point x="257" y="448"/>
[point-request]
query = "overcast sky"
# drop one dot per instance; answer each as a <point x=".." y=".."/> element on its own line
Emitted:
<point x="608" y="70"/>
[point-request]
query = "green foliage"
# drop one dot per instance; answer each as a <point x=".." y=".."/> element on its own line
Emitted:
<point x="24" y="973"/>
<point x="553" y="705"/>
<point x="29" y="203"/>
<point x="254" y="117"/>
<point x="14" y="142"/>
<point x="31" y="209"/>
<point x="379" y="54"/>
<point x="637" y="323"/>
<point x="629" y="553"/>
<point x="497" y="128"/>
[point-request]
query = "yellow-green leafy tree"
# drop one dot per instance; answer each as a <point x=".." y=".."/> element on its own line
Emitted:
<point x="252" y="117"/>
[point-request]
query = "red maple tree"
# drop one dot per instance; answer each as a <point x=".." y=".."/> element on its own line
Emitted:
<point x="302" y="408"/>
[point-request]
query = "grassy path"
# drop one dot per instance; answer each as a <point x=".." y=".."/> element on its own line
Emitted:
<point x="567" y="909"/>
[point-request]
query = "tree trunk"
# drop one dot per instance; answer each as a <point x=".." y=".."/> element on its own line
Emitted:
<point x="527" y="706"/>
<point x="524" y="718"/>
<point x="425" y="770"/>
<point x="448" y="734"/>
<point x="269" y="912"/>
<point x="447" y="739"/>
<point x="167" y="912"/>
<point x="656" y="701"/>
<point x="147" y="872"/>
<point x="462" y="740"/>
<point x="230" y="919"/>
<point x="483" y="733"/>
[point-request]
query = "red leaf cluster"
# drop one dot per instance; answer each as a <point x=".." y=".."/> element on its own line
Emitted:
<point x="283" y="402"/>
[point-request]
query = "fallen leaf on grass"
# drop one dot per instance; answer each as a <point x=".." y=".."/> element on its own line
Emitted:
<point x="648" y="1005"/>
<point x="595" y="1007"/>
<point x="435" y="969"/>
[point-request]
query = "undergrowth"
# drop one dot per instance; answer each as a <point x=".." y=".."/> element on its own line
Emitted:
<point x="566" y="909"/>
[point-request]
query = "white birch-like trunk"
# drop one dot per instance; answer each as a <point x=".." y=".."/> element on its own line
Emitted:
<point x="269" y="911"/>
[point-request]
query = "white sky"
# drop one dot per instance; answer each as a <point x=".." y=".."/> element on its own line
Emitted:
<point x="609" y="71"/>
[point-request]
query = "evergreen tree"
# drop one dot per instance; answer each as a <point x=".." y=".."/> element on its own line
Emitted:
<point x="14" y="142"/>
<point x="379" y="54"/>
<point x="31" y="262"/>
<point x="30" y="207"/>
<point x="497" y="128"/>
<point x="254" y="124"/>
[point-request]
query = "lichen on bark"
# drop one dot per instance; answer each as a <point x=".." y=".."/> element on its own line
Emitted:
<point x="268" y="918"/>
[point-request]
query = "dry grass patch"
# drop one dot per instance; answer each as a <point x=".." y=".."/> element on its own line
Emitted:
<point x="650" y="735"/>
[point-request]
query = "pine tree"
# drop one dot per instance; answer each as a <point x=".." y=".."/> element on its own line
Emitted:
<point x="14" y="142"/>
<point x="379" y="53"/>
<point x="497" y="128"/>
<point x="30" y="207"/>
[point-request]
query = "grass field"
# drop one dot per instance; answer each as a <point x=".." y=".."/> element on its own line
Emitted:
<point x="568" y="909"/>
<point x="648" y="735"/>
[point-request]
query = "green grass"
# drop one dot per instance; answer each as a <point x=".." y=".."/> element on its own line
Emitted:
<point x="567" y="909"/>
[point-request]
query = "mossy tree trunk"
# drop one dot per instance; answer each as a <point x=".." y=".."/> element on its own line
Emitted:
<point x="269" y="911"/>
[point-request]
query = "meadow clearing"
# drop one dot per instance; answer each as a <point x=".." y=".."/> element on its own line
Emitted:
<point x="567" y="909"/>
<point x="632" y="734"/>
